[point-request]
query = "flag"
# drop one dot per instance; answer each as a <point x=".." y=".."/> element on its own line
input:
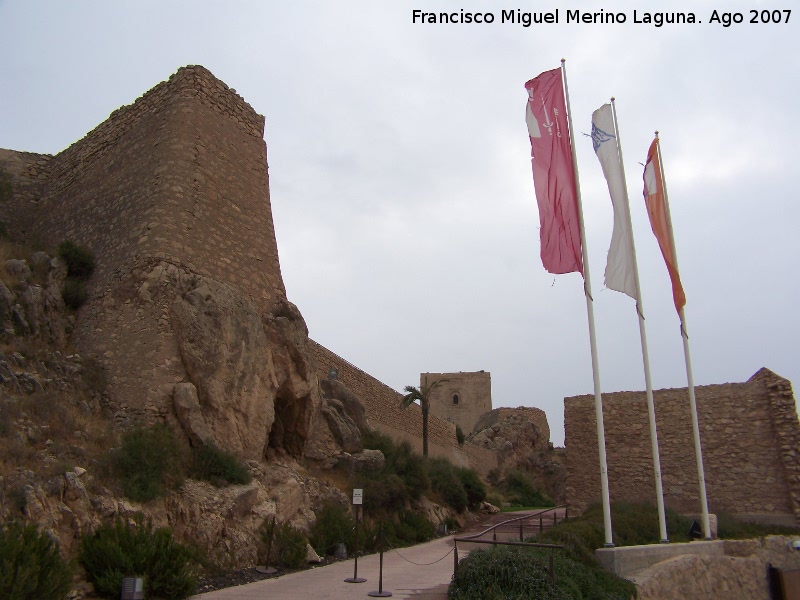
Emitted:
<point x="658" y="212"/>
<point x="620" y="268"/>
<point x="553" y="174"/>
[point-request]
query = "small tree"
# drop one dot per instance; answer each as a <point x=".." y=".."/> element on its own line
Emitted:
<point x="423" y="396"/>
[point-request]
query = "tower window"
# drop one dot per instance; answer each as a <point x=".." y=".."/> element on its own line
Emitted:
<point x="455" y="398"/>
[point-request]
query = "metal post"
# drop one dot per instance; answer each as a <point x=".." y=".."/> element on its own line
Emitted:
<point x="555" y="518"/>
<point x="520" y="531"/>
<point x="380" y="593"/>
<point x="541" y="526"/>
<point x="455" y="557"/>
<point x="355" y="578"/>
<point x="266" y="569"/>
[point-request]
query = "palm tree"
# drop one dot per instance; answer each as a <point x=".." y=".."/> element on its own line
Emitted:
<point x="423" y="395"/>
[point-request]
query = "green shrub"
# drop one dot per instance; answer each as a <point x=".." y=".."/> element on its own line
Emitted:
<point x="212" y="464"/>
<point x="148" y="463"/>
<point x="384" y="493"/>
<point x="31" y="567"/>
<point x="502" y="572"/>
<point x="730" y="528"/>
<point x="522" y="492"/>
<point x="632" y="525"/>
<point x="410" y="467"/>
<point x="122" y="549"/>
<point x="459" y="436"/>
<point x="74" y="293"/>
<point x="289" y="547"/>
<point x="3" y="228"/>
<point x="402" y="478"/>
<point x="333" y="526"/>
<point x="473" y="486"/>
<point x="80" y="261"/>
<point x="414" y="528"/>
<point x="446" y="483"/>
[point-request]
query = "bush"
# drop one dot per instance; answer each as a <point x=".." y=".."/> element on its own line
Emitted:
<point x="288" y="545"/>
<point x="414" y="528"/>
<point x="212" y="464"/>
<point x="6" y="189"/>
<point x="503" y="572"/>
<point x="121" y="549"/>
<point x="446" y="483"/>
<point x="31" y="567"/>
<point x="384" y="494"/>
<point x="333" y="526"/>
<point x="473" y="486"/>
<point x="74" y="293"/>
<point x="522" y="492"/>
<point x="148" y="463"/>
<point x="80" y="261"/>
<point x="459" y="436"/>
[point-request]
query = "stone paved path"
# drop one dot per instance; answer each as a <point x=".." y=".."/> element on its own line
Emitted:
<point x="405" y="580"/>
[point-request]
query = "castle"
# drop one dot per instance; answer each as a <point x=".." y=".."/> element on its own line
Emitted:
<point x="188" y="314"/>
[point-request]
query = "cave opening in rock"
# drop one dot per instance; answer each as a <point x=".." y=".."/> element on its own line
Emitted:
<point x="290" y="428"/>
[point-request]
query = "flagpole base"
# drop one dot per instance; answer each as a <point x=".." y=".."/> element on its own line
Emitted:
<point x="355" y="580"/>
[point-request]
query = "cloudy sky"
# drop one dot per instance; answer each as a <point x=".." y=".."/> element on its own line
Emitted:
<point x="400" y="171"/>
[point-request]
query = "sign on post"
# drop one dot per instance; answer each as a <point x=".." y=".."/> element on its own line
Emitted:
<point x="358" y="496"/>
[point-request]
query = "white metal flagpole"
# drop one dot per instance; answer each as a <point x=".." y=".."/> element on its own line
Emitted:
<point x="698" y="452"/>
<point x="587" y="291"/>
<point x="651" y="411"/>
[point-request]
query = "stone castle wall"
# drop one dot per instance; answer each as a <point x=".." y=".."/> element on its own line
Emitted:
<point x="460" y="398"/>
<point x="172" y="187"/>
<point x="174" y="183"/>
<point x="749" y="435"/>
<point x="384" y="412"/>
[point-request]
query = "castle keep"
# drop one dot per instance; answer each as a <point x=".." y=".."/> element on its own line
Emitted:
<point x="460" y="398"/>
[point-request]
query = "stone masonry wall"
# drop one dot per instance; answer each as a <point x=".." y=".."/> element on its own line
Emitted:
<point x="384" y="412"/>
<point x="174" y="183"/>
<point x="748" y="433"/>
<point x="474" y="392"/>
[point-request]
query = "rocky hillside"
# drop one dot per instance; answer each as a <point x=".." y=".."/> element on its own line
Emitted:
<point x="59" y="422"/>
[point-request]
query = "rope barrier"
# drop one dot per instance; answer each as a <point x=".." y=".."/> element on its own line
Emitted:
<point x="411" y="561"/>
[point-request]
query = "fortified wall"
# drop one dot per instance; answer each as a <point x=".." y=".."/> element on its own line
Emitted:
<point x="169" y="190"/>
<point x="749" y="435"/>
<point x="385" y="413"/>
<point x="460" y="398"/>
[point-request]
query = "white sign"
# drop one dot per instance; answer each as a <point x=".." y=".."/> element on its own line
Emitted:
<point x="358" y="496"/>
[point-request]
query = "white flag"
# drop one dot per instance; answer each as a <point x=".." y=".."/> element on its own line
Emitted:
<point x="620" y="274"/>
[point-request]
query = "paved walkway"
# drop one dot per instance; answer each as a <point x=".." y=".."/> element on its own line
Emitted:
<point x="426" y="580"/>
<point x="400" y="577"/>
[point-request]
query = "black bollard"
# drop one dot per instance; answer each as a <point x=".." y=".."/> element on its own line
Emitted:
<point x="380" y="593"/>
<point x="266" y="569"/>
<point x="355" y="578"/>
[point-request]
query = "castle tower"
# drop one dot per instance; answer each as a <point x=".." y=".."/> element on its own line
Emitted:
<point x="170" y="187"/>
<point x="461" y="398"/>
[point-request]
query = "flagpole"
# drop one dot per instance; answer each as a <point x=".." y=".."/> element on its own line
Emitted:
<point x="651" y="411"/>
<point x="698" y="452"/>
<point x="587" y="292"/>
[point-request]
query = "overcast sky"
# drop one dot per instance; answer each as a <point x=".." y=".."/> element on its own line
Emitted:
<point x="400" y="174"/>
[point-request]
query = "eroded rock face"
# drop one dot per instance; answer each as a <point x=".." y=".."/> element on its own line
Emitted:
<point x="224" y="348"/>
<point x="250" y="372"/>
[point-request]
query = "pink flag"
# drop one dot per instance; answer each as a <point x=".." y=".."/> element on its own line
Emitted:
<point x="553" y="174"/>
